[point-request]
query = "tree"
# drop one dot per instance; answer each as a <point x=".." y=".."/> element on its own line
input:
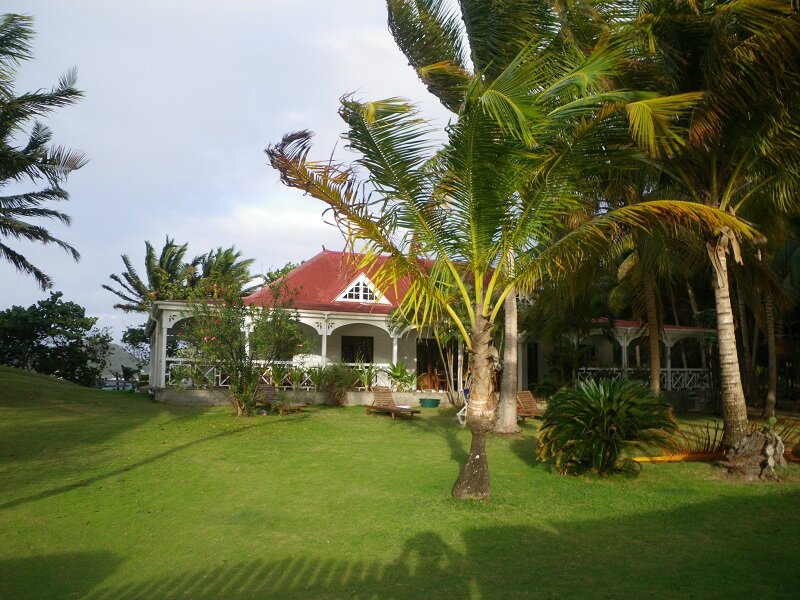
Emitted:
<point x="135" y="341"/>
<point x="33" y="159"/>
<point x="165" y="277"/>
<point x="242" y="340"/>
<point x="723" y="59"/>
<point x="56" y="338"/>
<point x="225" y="266"/>
<point x="526" y="135"/>
<point x="168" y="276"/>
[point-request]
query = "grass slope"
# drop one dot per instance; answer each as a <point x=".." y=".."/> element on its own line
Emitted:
<point x="109" y="495"/>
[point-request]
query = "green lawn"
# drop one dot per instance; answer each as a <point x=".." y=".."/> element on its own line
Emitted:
<point x="109" y="495"/>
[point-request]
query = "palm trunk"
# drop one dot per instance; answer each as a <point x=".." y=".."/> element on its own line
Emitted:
<point x="769" y="323"/>
<point x="750" y="376"/>
<point x="734" y="409"/>
<point x="654" y="334"/>
<point x="696" y="316"/>
<point x="507" y="411"/>
<point x="473" y="480"/>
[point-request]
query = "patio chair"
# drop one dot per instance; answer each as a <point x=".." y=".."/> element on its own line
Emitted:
<point x="383" y="402"/>
<point x="268" y="399"/>
<point x="527" y="407"/>
<point x="461" y="415"/>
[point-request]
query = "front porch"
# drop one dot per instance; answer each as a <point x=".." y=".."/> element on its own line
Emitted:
<point x="364" y="342"/>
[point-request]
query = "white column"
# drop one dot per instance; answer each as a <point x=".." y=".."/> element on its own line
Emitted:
<point x="624" y="343"/>
<point x="324" y="350"/>
<point x="162" y="350"/>
<point x="668" y="353"/>
<point x="153" y="358"/>
<point x="394" y="350"/>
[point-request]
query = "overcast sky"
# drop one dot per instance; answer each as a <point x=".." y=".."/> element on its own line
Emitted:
<point x="182" y="96"/>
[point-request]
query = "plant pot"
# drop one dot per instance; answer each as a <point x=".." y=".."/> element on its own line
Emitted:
<point x="429" y="402"/>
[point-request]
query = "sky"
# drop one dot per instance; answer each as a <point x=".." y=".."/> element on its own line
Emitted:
<point x="181" y="98"/>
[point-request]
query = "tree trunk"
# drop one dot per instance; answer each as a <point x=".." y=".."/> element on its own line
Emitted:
<point x="507" y="410"/>
<point x="734" y="409"/>
<point x="653" y="333"/>
<point x="696" y="316"/>
<point x="769" y="323"/>
<point x="473" y="480"/>
<point x="677" y="318"/>
<point x="750" y="376"/>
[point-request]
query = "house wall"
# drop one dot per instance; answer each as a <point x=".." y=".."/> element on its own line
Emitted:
<point x="406" y="346"/>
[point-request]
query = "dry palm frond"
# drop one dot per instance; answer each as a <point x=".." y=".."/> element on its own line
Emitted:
<point x="697" y="443"/>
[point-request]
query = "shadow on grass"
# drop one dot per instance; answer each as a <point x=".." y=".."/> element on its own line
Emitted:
<point x="697" y="551"/>
<point x="150" y="459"/>
<point x="445" y="425"/>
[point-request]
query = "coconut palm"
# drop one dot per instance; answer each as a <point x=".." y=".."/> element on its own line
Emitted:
<point x="447" y="44"/>
<point x="34" y="159"/>
<point x="740" y="142"/>
<point x="461" y="206"/>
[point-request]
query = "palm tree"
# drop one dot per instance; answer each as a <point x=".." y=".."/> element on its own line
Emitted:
<point x="35" y="160"/>
<point x="447" y="46"/>
<point x="742" y="60"/>
<point x="169" y="277"/>
<point x="224" y="266"/>
<point x="461" y="207"/>
<point x="165" y="277"/>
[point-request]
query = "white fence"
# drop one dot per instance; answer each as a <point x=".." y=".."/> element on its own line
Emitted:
<point x="674" y="379"/>
<point x="283" y="375"/>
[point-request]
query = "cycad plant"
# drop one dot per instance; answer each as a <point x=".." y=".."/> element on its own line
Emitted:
<point x="587" y="428"/>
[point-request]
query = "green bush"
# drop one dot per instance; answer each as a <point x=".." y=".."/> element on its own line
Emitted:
<point x="586" y="428"/>
<point x="337" y="378"/>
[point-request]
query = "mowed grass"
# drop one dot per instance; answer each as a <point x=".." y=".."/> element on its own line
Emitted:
<point x="109" y="495"/>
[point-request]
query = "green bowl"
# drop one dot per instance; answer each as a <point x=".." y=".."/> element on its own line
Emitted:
<point x="429" y="402"/>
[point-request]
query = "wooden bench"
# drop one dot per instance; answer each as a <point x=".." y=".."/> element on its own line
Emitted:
<point x="382" y="402"/>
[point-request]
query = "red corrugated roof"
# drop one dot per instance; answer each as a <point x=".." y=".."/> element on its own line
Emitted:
<point x="320" y="280"/>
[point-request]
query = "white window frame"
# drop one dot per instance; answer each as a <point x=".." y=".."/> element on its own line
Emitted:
<point x="362" y="282"/>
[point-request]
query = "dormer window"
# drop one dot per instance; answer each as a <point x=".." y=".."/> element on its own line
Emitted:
<point x="362" y="290"/>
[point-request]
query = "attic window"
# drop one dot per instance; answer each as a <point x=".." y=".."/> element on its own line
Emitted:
<point x="362" y="290"/>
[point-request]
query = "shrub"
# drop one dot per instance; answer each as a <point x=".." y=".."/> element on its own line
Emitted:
<point x="337" y="378"/>
<point x="586" y="428"/>
<point x="401" y="378"/>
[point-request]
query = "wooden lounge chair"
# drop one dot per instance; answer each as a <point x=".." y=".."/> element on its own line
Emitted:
<point x="527" y="407"/>
<point x="383" y="402"/>
<point x="268" y="399"/>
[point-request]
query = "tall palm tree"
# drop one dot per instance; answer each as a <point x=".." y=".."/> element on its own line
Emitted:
<point x="448" y="44"/>
<point x="165" y="277"/>
<point x="740" y="141"/>
<point x="35" y="159"/>
<point x="461" y="206"/>
<point x="225" y="266"/>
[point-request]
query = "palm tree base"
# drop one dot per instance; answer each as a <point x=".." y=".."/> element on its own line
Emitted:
<point x="755" y="456"/>
<point x="473" y="480"/>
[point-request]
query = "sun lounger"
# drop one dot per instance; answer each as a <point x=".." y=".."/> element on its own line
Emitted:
<point x="527" y="407"/>
<point x="382" y="402"/>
